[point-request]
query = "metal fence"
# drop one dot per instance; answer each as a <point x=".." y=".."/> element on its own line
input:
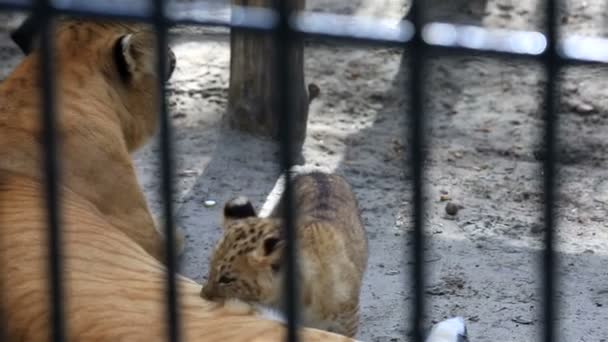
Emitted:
<point x="287" y="26"/>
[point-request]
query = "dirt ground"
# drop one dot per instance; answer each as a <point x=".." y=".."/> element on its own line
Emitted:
<point x="484" y="127"/>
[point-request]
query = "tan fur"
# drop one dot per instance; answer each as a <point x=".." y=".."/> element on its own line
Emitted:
<point x="101" y="119"/>
<point x="332" y="253"/>
<point x="114" y="287"/>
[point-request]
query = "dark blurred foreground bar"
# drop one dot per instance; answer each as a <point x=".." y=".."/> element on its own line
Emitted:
<point x="43" y="13"/>
<point x="442" y="37"/>
<point x="167" y="171"/>
<point x="284" y="37"/>
<point x="551" y="63"/>
<point x="415" y="136"/>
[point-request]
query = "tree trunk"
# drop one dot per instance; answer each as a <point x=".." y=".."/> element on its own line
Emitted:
<point x="253" y="86"/>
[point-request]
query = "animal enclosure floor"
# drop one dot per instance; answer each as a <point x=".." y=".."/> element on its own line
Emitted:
<point x="483" y="136"/>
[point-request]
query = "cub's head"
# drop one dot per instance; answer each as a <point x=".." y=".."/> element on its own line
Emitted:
<point x="247" y="260"/>
<point x="112" y="65"/>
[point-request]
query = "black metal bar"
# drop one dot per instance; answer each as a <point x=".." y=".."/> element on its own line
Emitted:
<point x="16" y="5"/>
<point x="365" y="32"/>
<point x="283" y="43"/>
<point x="416" y="139"/>
<point x="3" y="325"/>
<point x="3" y="272"/>
<point x="551" y="63"/>
<point x="126" y="16"/>
<point x="249" y="18"/>
<point x="330" y="25"/>
<point x="161" y="26"/>
<point x="43" y="12"/>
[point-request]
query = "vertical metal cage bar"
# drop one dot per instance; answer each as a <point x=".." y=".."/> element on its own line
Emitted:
<point x="3" y="264"/>
<point x="552" y="68"/>
<point x="160" y="24"/>
<point x="3" y="325"/>
<point x="416" y="142"/>
<point x="43" y="13"/>
<point x="283" y="38"/>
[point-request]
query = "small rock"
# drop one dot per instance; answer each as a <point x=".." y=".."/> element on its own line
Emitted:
<point x="584" y="108"/>
<point x="539" y="155"/>
<point x="436" y="291"/>
<point x="570" y="87"/>
<point x="209" y="203"/>
<point x="444" y="198"/>
<point x="537" y="228"/>
<point x="390" y="273"/>
<point x="451" y="209"/>
<point x="521" y="320"/>
<point x="313" y="91"/>
<point x="187" y="173"/>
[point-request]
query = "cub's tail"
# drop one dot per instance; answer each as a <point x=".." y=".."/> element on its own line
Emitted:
<point x="450" y="330"/>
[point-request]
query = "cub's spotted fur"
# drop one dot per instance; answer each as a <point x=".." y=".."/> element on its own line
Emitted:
<point x="247" y="262"/>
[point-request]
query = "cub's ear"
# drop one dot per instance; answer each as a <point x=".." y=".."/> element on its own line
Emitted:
<point x="270" y="251"/>
<point x="238" y="208"/>
<point x="26" y="35"/>
<point x="272" y="244"/>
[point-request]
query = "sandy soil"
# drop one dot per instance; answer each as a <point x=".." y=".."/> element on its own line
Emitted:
<point x="484" y="127"/>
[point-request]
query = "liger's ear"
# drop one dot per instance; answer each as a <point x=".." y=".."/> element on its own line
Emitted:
<point x="27" y="34"/>
<point x="136" y="54"/>
<point x="122" y="57"/>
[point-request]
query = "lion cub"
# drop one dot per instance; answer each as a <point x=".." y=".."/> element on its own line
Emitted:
<point x="247" y="262"/>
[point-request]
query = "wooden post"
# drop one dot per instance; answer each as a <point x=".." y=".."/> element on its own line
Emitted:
<point x="253" y="87"/>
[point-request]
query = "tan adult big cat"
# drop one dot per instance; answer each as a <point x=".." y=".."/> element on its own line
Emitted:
<point x="106" y="106"/>
<point x="114" y="286"/>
